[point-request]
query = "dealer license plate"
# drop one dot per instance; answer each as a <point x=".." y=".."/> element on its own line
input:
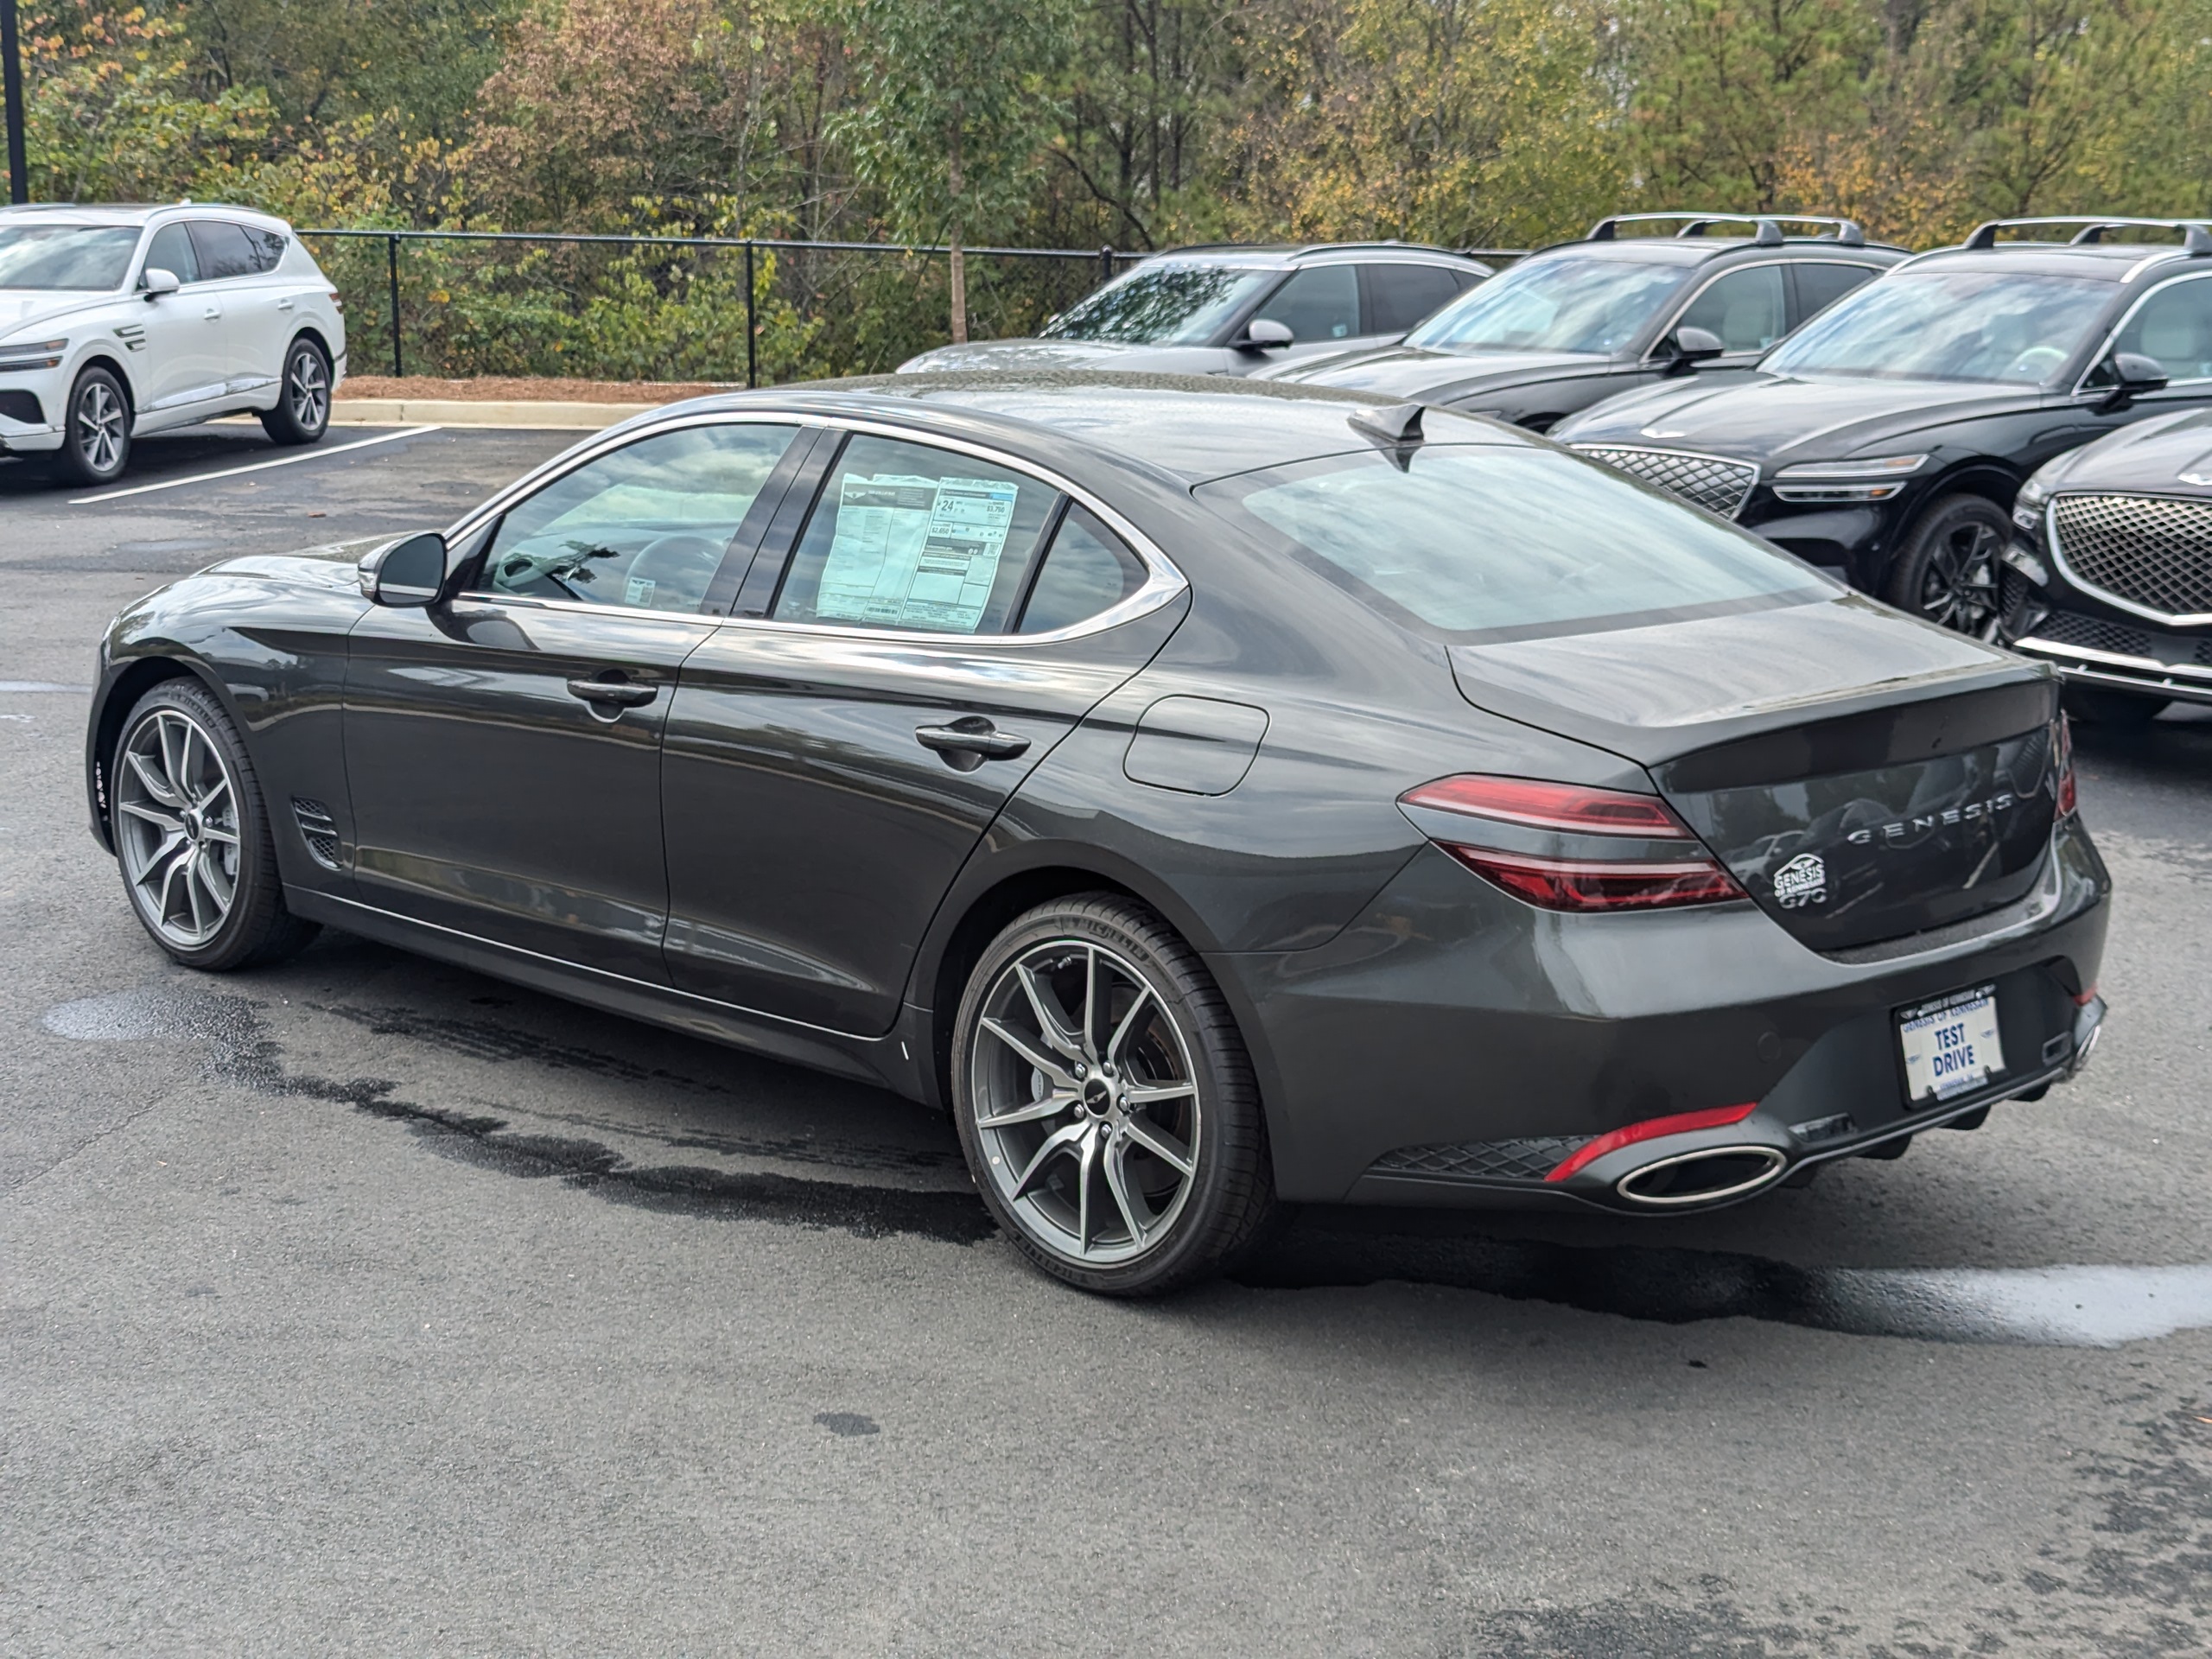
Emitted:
<point x="1950" y="1046"/>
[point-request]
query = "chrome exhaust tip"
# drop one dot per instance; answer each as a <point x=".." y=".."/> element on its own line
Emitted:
<point x="1707" y="1176"/>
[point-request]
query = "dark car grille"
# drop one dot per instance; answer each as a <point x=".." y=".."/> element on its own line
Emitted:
<point x="1494" y="1161"/>
<point x="2093" y="634"/>
<point x="1706" y="482"/>
<point x="2147" y="550"/>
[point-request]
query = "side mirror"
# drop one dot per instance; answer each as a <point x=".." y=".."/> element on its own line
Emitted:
<point x="1693" y="347"/>
<point x="157" y="282"/>
<point x="407" y="574"/>
<point x="1262" y="335"/>
<point x="2130" y="375"/>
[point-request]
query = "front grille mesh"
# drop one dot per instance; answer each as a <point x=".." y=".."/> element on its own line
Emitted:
<point x="1496" y="1160"/>
<point x="1706" y="482"/>
<point x="2149" y="550"/>
<point x="2093" y="634"/>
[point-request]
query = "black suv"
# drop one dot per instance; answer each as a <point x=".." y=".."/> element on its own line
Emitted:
<point x="2109" y="574"/>
<point x="1886" y="442"/>
<point x="1577" y="322"/>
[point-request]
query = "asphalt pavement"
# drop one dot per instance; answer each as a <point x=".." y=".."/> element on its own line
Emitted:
<point x="365" y="1304"/>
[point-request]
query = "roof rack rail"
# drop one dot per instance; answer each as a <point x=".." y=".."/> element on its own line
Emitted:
<point x="1767" y="226"/>
<point x="2196" y="238"/>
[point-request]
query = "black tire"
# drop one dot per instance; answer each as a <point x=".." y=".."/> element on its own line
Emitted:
<point x="302" y="411"/>
<point x="1947" y="570"/>
<point x="257" y="928"/>
<point x="2115" y="709"/>
<point x="1194" y="1223"/>
<point x="95" y="429"/>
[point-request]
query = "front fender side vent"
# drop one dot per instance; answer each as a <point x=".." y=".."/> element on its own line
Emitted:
<point x="320" y="830"/>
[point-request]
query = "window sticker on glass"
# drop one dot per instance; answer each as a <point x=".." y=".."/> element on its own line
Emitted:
<point x="916" y="552"/>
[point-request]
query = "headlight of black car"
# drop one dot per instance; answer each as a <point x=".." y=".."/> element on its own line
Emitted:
<point x="1876" y="478"/>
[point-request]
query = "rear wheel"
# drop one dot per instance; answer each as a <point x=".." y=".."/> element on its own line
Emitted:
<point x="1106" y="1102"/>
<point x="1948" y="570"/>
<point x="302" y="411"/>
<point x="96" y="437"/>
<point x="2123" y="711"/>
<point x="191" y="835"/>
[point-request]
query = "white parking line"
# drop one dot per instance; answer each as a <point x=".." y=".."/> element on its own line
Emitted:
<point x="316" y="454"/>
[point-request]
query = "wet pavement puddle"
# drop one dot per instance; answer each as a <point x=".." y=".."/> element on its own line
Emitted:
<point x="2062" y="1305"/>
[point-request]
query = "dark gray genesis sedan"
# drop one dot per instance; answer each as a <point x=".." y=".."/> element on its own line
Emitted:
<point x="1214" y="795"/>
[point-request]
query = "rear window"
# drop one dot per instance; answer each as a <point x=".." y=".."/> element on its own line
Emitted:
<point x="1508" y="542"/>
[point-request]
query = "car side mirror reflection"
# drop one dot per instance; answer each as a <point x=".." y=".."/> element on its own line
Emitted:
<point x="1264" y="334"/>
<point x="407" y="574"/>
<point x="1691" y="348"/>
<point x="2127" y="376"/>
<point x="157" y="282"/>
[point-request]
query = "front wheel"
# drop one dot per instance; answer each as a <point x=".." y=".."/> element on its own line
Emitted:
<point x="192" y="834"/>
<point x="302" y="411"/>
<point x="1947" y="570"/>
<point x="1106" y="1101"/>
<point x="95" y="441"/>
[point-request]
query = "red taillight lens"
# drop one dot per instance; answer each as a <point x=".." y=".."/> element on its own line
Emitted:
<point x="1568" y="808"/>
<point x="2068" y="796"/>
<point x="1715" y="1117"/>
<point x="1671" y="867"/>
<point x="1583" y="884"/>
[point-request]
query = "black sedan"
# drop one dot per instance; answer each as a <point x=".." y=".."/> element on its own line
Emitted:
<point x="1576" y="323"/>
<point x="2109" y="574"/>
<point x="1885" y="442"/>
<point x="1211" y="794"/>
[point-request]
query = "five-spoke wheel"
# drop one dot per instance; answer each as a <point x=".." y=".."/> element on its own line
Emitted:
<point x="96" y="444"/>
<point x="302" y="411"/>
<point x="1106" y="1102"/>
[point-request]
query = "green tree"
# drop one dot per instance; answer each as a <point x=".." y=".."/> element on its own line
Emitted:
<point x="952" y="105"/>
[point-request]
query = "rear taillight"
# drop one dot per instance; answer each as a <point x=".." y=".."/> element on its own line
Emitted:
<point x="1503" y="829"/>
<point x="2067" y="795"/>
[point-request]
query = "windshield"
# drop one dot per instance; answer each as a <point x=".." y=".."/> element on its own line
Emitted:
<point x="88" y="257"/>
<point x="1162" y="305"/>
<point x="1998" y="326"/>
<point x="1555" y="305"/>
<point x="1483" y="539"/>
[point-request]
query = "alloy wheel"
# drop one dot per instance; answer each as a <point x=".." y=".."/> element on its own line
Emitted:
<point x="100" y="427"/>
<point x="1959" y="590"/>
<point x="177" y="824"/>
<point x="306" y="389"/>
<point x="1086" y="1102"/>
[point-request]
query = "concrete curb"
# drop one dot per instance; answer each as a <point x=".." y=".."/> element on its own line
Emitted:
<point x="440" y="411"/>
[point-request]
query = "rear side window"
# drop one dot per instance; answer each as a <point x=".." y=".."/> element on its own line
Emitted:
<point x="910" y="536"/>
<point x="1744" y="307"/>
<point x="1821" y="286"/>
<point x="224" y="252"/>
<point x="171" y="251"/>
<point x="1320" y="303"/>
<point x="1088" y="570"/>
<point x="1398" y="297"/>
<point x="267" y="248"/>
<point x="2175" y="326"/>
<point x="1508" y="542"/>
<point x="644" y="527"/>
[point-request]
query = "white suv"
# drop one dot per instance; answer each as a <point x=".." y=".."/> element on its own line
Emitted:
<point x="115" y="322"/>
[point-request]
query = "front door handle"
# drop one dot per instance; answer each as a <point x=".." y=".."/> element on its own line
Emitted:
<point x="609" y="696"/>
<point x="969" y="741"/>
<point x="213" y="313"/>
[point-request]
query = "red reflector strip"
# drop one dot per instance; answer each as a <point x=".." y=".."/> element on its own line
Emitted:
<point x="1580" y="884"/>
<point x="1572" y="809"/>
<point x="2082" y="998"/>
<point x="1713" y="1117"/>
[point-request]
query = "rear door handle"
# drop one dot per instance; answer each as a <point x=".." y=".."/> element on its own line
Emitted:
<point x="970" y="740"/>
<point x="606" y="695"/>
<point x="284" y="304"/>
<point x="213" y="313"/>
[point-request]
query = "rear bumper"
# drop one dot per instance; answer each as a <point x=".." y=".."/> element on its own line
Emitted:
<point x="1455" y="1046"/>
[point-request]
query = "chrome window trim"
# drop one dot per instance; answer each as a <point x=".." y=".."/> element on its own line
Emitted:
<point x="2050" y="537"/>
<point x="1163" y="581"/>
<point x="2112" y="335"/>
